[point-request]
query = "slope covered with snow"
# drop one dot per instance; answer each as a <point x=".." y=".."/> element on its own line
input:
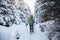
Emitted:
<point x="21" y="32"/>
<point x="14" y="17"/>
<point x="47" y="14"/>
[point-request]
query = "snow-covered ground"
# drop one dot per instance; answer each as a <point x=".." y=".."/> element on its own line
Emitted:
<point x="22" y="32"/>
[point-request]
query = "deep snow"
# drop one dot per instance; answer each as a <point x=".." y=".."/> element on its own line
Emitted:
<point x="21" y="31"/>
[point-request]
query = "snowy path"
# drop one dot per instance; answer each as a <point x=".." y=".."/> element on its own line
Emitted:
<point x="23" y="33"/>
<point x="38" y="35"/>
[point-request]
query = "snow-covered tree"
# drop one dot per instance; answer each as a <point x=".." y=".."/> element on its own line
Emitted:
<point x="49" y="10"/>
<point x="12" y="13"/>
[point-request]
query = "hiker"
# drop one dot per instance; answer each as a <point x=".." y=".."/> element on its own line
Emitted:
<point x="31" y="24"/>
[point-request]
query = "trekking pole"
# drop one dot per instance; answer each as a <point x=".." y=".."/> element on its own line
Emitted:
<point x="27" y="27"/>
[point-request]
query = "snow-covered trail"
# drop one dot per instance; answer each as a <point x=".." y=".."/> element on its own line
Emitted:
<point x="38" y="35"/>
<point x="23" y="33"/>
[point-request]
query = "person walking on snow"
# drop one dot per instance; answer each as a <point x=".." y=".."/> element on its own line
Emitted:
<point x="31" y="24"/>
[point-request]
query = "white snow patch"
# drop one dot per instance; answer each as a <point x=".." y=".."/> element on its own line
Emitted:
<point x="9" y="33"/>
